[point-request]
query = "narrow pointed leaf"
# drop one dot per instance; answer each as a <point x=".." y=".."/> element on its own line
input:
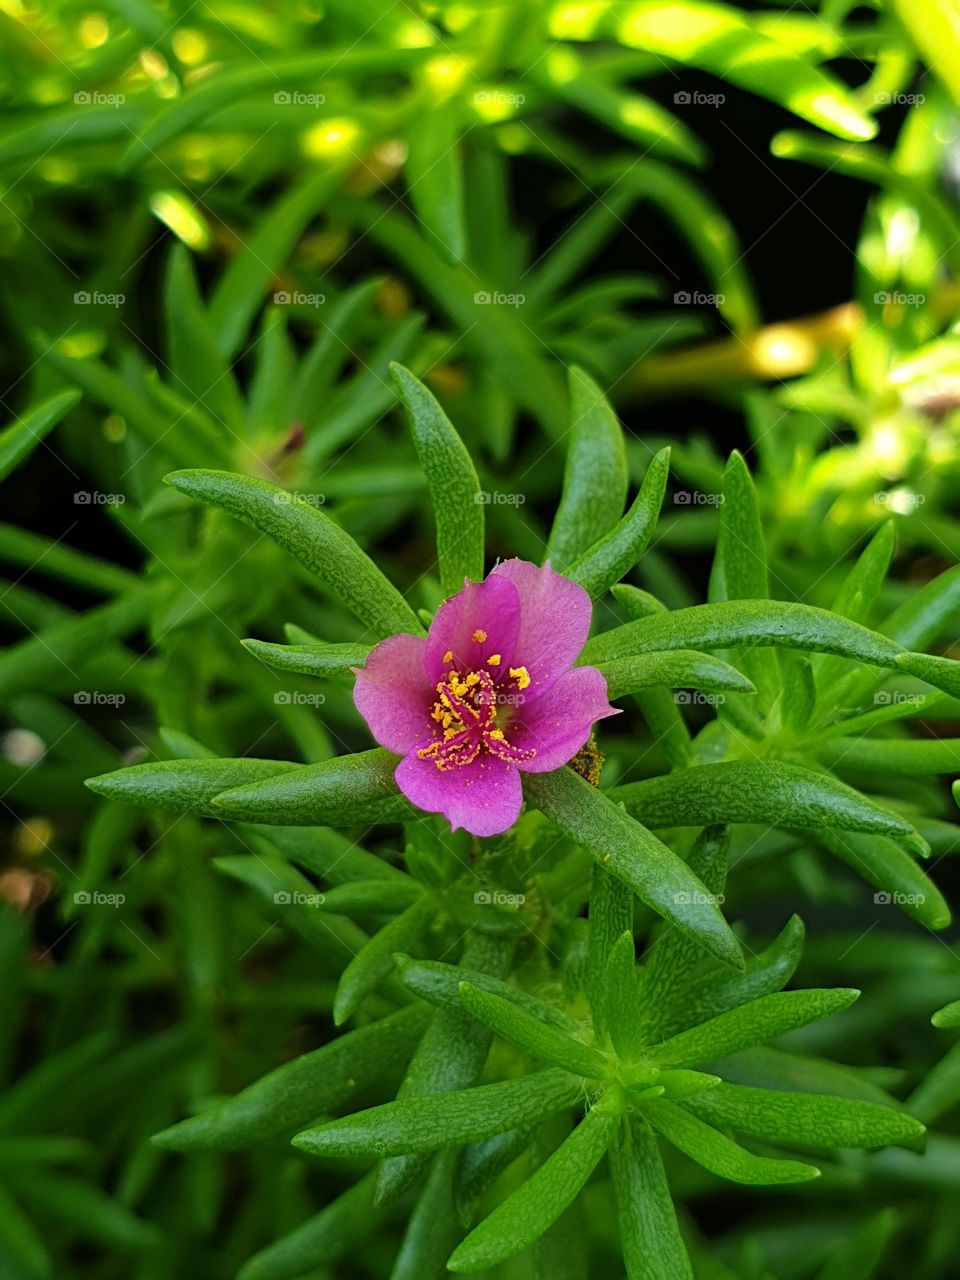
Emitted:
<point x="525" y="1215"/>
<point x="892" y="871"/>
<point x="312" y="538"/>
<point x="751" y="1024"/>
<point x="452" y="480"/>
<point x="185" y="786"/>
<point x="367" y="969"/>
<point x="445" y="1120"/>
<point x="629" y="851"/>
<point x="434" y="173"/>
<point x="608" y="560"/>
<point x="720" y="1154"/>
<point x="770" y="792"/>
<point x="336" y="793"/>
<point x="649" y="1235"/>
<point x="309" y="659"/>
<point x="595" y="477"/>
<point x="673" y="669"/>
<point x="303" y="1089"/>
<point x="808" y="1118"/>
<point x="538" y="1039"/>
<point x="19" y="440"/>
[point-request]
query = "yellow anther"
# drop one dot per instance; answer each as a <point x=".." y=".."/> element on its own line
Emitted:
<point x="479" y="636"/>
<point x="493" y="660"/>
<point x="472" y="678"/>
<point x="448" y="656"/>
<point x="497" y="734"/>
<point x="521" y="675"/>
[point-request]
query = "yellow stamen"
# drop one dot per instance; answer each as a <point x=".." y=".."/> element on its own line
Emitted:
<point x="472" y="678"/>
<point x="448" y="656"/>
<point x="493" y="660"/>
<point x="521" y="675"/>
<point x="479" y="636"/>
<point x="498" y="734"/>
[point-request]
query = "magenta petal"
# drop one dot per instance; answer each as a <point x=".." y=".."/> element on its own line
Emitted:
<point x="393" y="693"/>
<point x="555" y="618"/>
<point x="491" y="607"/>
<point x="558" y="723"/>
<point x="483" y="797"/>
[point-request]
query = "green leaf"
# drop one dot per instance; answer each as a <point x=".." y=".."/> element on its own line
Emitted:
<point x="948" y="1016"/>
<point x="19" y="440"/>
<point x="450" y="1056"/>
<point x="199" y="369"/>
<point x="441" y="984"/>
<point x="371" y="897"/>
<point x="615" y="554"/>
<point x="622" y="999"/>
<point x="893" y="872"/>
<point x="312" y="538"/>
<point x="809" y="1118"/>
<point x="858" y="1257"/>
<point x="627" y="850"/>
<point x="538" y="1039"/>
<point x="716" y="38"/>
<point x="184" y="786"/>
<point x="309" y="659"/>
<point x="751" y="1024"/>
<point x="892" y="755"/>
<point x="720" y="1154"/>
<point x="301" y="1090"/>
<point x="338" y="793"/>
<point x="343" y="1224"/>
<point x="769" y="792"/>
<point x="595" y="477"/>
<point x="528" y="1212"/>
<point x="371" y="965"/>
<point x="610" y="916"/>
<point x="434" y="173"/>
<point x="444" y="1120"/>
<point x="673" y="669"/>
<point x="649" y="1235"/>
<point x="452" y="481"/>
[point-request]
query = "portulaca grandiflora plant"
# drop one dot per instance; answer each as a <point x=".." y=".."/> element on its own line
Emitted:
<point x="556" y="1001"/>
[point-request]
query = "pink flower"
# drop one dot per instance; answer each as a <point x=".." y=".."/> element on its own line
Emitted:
<point x="490" y="693"/>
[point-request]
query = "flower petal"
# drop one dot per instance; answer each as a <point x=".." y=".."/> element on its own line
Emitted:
<point x="555" y="618"/>
<point x="557" y="724"/>
<point x="490" y="609"/>
<point x="394" y="694"/>
<point x="483" y="797"/>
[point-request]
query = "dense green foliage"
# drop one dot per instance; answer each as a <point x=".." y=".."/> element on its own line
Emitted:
<point x="298" y="342"/>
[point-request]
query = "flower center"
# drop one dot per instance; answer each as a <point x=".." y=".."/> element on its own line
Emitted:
<point x="465" y="713"/>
